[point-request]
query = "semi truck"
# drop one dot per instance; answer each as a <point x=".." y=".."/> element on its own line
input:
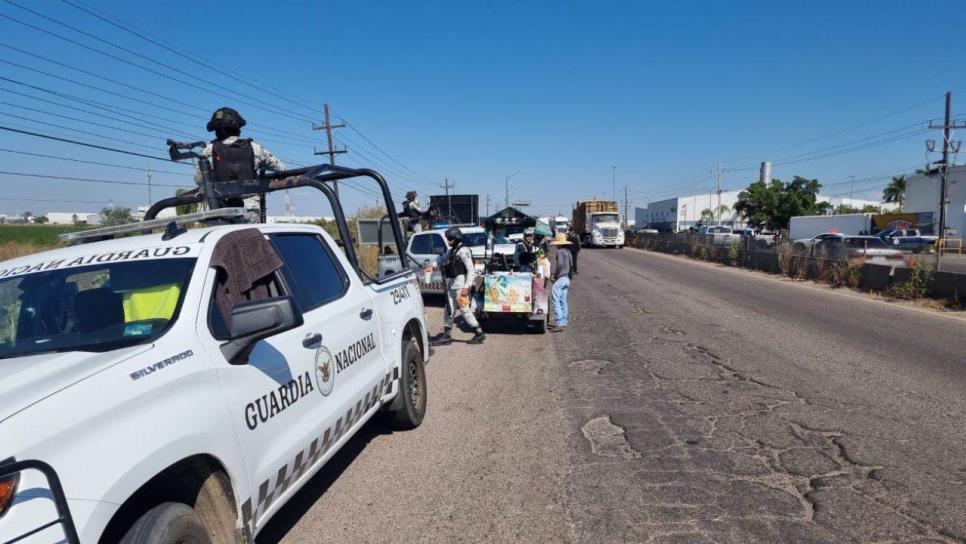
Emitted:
<point x="810" y="226"/>
<point x="598" y="223"/>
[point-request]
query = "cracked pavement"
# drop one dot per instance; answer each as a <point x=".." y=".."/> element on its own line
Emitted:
<point x="707" y="404"/>
<point x="685" y="403"/>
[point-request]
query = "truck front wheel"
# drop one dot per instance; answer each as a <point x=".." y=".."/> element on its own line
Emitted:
<point x="168" y="523"/>
<point x="410" y="406"/>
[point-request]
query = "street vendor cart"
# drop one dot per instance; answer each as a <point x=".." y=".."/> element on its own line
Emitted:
<point x="506" y="293"/>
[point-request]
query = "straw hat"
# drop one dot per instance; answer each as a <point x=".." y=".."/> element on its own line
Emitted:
<point x="560" y="239"/>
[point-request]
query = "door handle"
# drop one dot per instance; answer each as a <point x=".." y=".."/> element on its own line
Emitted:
<point x="366" y="313"/>
<point x="311" y="339"/>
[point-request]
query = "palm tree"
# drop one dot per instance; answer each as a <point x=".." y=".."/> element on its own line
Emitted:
<point x="895" y="191"/>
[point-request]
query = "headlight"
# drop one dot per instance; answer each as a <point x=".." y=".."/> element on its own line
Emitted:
<point x="8" y="488"/>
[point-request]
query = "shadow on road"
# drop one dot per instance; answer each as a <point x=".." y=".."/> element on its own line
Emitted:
<point x="286" y="518"/>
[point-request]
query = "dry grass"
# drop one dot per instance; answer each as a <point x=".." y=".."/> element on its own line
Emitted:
<point x="12" y="250"/>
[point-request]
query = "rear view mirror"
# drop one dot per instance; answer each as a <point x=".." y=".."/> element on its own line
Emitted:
<point x="257" y="320"/>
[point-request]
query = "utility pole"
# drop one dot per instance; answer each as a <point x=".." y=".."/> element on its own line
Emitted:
<point x="506" y="181"/>
<point x="626" y="221"/>
<point x="149" y="173"/>
<point x="851" y="191"/>
<point x="717" y="210"/>
<point x="332" y="152"/>
<point x="446" y="185"/>
<point x="613" y="182"/>
<point x="947" y="128"/>
<point x="487" y="204"/>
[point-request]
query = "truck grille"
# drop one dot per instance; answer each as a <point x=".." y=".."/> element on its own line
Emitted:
<point x="608" y="233"/>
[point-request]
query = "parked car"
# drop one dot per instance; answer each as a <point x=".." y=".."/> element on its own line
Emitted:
<point x="846" y="247"/>
<point x="909" y="239"/>
<point x="718" y="234"/>
<point x="802" y="245"/>
<point x="758" y="239"/>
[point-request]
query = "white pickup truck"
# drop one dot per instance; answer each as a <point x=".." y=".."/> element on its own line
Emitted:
<point x="424" y="247"/>
<point x="135" y="409"/>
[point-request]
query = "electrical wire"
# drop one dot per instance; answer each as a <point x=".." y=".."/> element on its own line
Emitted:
<point x="207" y="64"/>
<point x="80" y="131"/>
<point x="88" y="180"/>
<point x="86" y="144"/>
<point x="82" y="161"/>
<point x="279" y="111"/>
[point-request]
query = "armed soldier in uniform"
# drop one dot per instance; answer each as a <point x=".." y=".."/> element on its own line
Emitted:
<point x="234" y="158"/>
<point x="413" y="211"/>
<point x="459" y="274"/>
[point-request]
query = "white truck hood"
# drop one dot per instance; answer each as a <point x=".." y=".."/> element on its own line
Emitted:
<point x="27" y="380"/>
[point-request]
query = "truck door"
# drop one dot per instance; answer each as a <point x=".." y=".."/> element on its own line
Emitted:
<point x="290" y="400"/>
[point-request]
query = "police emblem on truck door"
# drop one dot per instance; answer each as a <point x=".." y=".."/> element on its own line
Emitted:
<point x="324" y="370"/>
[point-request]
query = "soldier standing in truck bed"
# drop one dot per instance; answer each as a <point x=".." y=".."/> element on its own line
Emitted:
<point x="234" y="158"/>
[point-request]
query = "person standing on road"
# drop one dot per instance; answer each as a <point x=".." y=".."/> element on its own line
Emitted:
<point x="234" y="158"/>
<point x="459" y="275"/>
<point x="561" y="284"/>
<point x="574" y="247"/>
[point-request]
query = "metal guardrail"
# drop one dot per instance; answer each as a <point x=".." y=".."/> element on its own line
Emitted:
<point x="57" y="493"/>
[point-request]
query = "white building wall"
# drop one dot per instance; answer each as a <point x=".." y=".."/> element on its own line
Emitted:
<point x="922" y="195"/>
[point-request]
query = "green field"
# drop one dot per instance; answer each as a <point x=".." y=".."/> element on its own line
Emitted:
<point x="35" y="234"/>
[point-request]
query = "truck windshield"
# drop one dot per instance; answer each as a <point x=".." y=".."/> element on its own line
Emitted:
<point x="605" y="217"/>
<point x="91" y="308"/>
<point x="474" y="239"/>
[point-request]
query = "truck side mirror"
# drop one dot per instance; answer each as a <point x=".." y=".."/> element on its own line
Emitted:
<point x="256" y="320"/>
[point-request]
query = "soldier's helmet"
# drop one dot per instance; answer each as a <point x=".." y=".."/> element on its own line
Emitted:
<point x="225" y="118"/>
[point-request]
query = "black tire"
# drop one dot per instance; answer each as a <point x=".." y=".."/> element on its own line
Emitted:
<point x="410" y="408"/>
<point x="168" y="523"/>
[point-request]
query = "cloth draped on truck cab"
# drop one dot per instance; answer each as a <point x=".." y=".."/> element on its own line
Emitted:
<point x="246" y="262"/>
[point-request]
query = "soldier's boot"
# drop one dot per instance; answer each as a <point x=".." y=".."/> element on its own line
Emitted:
<point x="478" y="338"/>
<point x="442" y="339"/>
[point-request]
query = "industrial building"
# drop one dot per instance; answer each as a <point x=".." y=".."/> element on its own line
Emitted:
<point x="922" y="195"/>
<point x="680" y="213"/>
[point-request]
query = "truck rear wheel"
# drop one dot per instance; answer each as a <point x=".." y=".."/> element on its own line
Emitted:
<point x="168" y="523"/>
<point x="410" y="406"/>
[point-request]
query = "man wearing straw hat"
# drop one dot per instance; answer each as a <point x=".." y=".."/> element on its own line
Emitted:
<point x="563" y="265"/>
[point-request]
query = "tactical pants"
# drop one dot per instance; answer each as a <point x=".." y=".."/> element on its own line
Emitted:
<point x="453" y="310"/>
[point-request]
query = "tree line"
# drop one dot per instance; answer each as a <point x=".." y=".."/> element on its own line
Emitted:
<point x="770" y="206"/>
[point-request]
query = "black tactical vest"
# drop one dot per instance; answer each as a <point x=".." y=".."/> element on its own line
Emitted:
<point x="232" y="162"/>
<point x="454" y="266"/>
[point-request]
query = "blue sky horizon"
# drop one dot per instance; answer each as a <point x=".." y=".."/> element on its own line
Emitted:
<point x="472" y="92"/>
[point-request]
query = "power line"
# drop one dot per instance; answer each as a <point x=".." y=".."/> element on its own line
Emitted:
<point x="393" y="159"/>
<point x="841" y="131"/>
<point x="62" y="201"/>
<point x="86" y="180"/>
<point x="193" y="58"/>
<point x="82" y="161"/>
<point x="280" y="111"/>
<point x="85" y="144"/>
<point x="102" y="125"/>
<point x="85" y="132"/>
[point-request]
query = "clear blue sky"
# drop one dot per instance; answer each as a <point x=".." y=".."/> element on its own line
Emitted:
<point x="475" y="91"/>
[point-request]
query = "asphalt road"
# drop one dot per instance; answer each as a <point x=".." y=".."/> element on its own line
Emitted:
<point x="686" y="402"/>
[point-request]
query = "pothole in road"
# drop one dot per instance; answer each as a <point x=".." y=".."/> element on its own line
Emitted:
<point x="607" y="439"/>
<point x="590" y="365"/>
